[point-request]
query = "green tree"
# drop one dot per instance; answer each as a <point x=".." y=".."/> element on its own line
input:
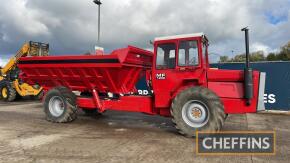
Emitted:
<point x="239" y="58"/>
<point x="254" y="57"/>
<point x="224" y="59"/>
<point x="271" y="57"/>
<point x="257" y="56"/>
<point x="284" y="53"/>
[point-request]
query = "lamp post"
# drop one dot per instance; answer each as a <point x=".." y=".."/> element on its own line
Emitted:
<point x="98" y="2"/>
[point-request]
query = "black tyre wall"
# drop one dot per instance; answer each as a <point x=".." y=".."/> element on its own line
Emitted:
<point x="11" y="92"/>
<point x="70" y="106"/>
<point x="207" y="97"/>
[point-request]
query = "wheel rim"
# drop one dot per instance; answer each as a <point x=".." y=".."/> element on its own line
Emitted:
<point x="56" y="106"/>
<point x="195" y="113"/>
<point x="4" y="92"/>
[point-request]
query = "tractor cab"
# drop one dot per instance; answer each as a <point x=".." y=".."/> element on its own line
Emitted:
<point x="182" y="51"/>
<point x="179" y="60"/>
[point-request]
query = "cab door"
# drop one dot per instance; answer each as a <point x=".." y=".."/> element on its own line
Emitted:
<point x="164" y="72"/>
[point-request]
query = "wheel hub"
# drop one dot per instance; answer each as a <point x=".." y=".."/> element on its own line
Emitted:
<point x="4" y="92"/>
<point x="195" y="113"/>
<point x="56" y="106"/>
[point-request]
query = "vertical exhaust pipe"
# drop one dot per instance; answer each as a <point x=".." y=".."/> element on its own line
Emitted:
<point x="248" y="72"/>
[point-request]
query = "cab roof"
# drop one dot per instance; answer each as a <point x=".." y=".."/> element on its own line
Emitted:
<point x="180" y="36"/>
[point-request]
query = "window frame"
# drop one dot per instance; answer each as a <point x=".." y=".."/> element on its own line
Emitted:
<point x="198" y="51"/>
<point x="156" y="52"/>
<point x="180" y="65"/>
<point x="176" y="42"/>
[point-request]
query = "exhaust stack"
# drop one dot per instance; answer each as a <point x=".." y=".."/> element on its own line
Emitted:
<point x="248" y="72"/>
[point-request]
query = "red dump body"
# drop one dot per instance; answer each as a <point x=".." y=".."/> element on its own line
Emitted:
<point x="116" y="73"/>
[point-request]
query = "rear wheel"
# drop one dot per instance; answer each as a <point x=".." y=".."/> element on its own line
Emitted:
<point x="60" y="105"/>
<point x="197" y="108"/>
<point x="8" y="93"/>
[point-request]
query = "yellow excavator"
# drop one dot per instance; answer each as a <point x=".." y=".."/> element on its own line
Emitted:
<point x="11" y="86"/>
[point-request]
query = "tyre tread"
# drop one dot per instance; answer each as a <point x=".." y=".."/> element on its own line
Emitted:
<point x="70" y="100"/>
<point x="216" y="110"/>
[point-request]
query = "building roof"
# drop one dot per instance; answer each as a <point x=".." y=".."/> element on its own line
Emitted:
<point x="179" y="36"/>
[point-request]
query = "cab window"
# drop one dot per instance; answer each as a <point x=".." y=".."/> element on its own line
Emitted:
<point x="166" y="56"/>
<point x="188" y="53"/>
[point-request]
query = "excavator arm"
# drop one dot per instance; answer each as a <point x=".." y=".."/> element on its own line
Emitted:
<point x="28" y="49"/>
<point x="13" y="61"/>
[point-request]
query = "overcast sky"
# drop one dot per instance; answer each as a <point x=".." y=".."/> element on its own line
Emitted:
<point x="70" y="26"/>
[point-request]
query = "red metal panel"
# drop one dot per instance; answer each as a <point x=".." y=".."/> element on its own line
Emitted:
<point x="125" y="103"/>
<point x="86" y="103"/>
<point x="131" y="103"/>
<point x="227" y="89"/>
<point x="176" y="78"/>
<point x="116" y="73"/>
<point x="238" y="106"/>
<point x="225" y="75"/>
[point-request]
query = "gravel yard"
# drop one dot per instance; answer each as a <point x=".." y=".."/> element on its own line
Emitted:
<point x="25" y="136"/>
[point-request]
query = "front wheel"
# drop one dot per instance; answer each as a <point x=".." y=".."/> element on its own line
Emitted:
<point x="197" y="108"/>
<point x="8" y="93"/>
<point x="60" y="105"/>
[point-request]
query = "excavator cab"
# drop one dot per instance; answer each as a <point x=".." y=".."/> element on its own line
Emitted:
<point x="38" y="49"/>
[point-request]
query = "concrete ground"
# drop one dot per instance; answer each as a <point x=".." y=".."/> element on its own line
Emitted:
<point x="25" y="136"/>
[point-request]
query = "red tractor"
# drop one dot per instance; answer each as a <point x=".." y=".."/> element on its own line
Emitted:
<point x="183" y="85"/>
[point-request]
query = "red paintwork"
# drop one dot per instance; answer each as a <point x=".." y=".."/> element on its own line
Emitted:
<point x="231" y="89"/>
<point x="234" y="89"/>
<point x="131" y="103"/>
<point x="180" y="77"/>
<point x="125" y="103"/>
<point x="133" y="63"/>
<point x="227" y="84"/>
<point x="104" y="77"/>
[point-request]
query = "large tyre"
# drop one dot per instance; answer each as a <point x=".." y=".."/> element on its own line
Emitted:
<point x="60" y="105"/>
<point x="8" y="93"/>
<point x="197" y="108"/>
